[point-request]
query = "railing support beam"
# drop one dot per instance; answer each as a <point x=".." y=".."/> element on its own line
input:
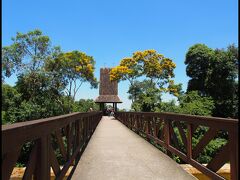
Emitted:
<point x="42" y="170"/>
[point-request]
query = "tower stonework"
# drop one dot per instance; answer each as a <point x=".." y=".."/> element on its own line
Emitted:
<point x="107" y="87"/>
<point x="108" y="90"/>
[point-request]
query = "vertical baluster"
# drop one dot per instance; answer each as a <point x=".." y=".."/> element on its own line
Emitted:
<point x="125" y="118"/>
<point x="189" y="141"/>
<point x="155" y="127"/>
<point x="142" y="121"/>
<point x="137" y="123"/>
<point x="43" y="163"/>
<point x="167" y="135"/>
<point x="147" y="127"/>
<point x="128" y="120"/>
<point x="77" y="133"/>
<point x="68" y="136"/>
<point x="85" y="129"/>
<point x="82" y="132"/>
<point x="8" y="163"/>
<point x="89" y="129"/>
<point x="233" y="141"/>
<point x="77" y="139"/>
<point x="131" y="121"/>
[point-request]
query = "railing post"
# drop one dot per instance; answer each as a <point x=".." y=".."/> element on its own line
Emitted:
<point x="77" y="134"/>
<point x="148" y="127"/>
<point x="234" y="142"/>
<point x="77" y="139"/>
<point x="130" y="121"/>
<point x="137" y="123"/>
<point x="189" y="141"/>
<point x="43" y="163"/>
<point x="68" y="137"/>
<point x="8" y="163"/>
<point x="85" y="129"/>
<point x="142" y="123"/>
<point x="89" y="127"/>
<point x="167" y="135"/>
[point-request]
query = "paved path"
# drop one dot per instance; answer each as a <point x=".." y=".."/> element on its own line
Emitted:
<point x="115" y="152"/>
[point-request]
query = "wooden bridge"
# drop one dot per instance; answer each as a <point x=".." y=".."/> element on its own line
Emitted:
<point x="121" y="148"/>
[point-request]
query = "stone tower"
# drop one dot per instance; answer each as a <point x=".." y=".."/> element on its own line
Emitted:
<point x="108" y="90"/>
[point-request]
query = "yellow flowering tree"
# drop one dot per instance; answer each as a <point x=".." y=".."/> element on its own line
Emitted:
<point x="75" y="67"/>
<point x="149" y="65"/>
<point x="127" y="70"/>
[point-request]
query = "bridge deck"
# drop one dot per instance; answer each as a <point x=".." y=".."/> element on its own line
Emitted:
<point x="115" y="152"/>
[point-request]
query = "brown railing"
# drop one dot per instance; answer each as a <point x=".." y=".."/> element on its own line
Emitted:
<point x="162" y="129"/>
<point x="67" y="134"/>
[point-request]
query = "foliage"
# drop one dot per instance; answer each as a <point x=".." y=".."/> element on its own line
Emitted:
<point x="146" y="96"/>
<point x="149" y="65"/>
<point x="4" y="120"/>
<point x="84" y="105"/>
<point x="189" y="103"/>
<point x="192" y="103"/>
<point x="198" y="60"/>
<point x="29" y="110"/>
<point x="38" y="92"/>
<point x="168" y="107"/>
<point x="75" y="68"/>
<point x="28" y="52"/>
<point x="215" y="73"/>
<point x="39" y="84"/>
<point x="10" y="97"/>
<point x="210" y="150"/>
<point x="43" y="74"/>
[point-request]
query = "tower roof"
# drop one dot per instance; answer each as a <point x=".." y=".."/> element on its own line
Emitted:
<point x="108" y="99"/>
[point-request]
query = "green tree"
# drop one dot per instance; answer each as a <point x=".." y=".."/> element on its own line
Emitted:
<point x="28" y="52"/>
<point x="10" y="98"/>
<point x="215" y="73"/>
<point x="26" y="57"/>
<point x="75" y="68"/>
<point x="147" y="98"/>
<point x="149" y="65"/>
<point x="192" y="103"/>
<point x="222" y="84"/>
<point x="198" y="60"/>
<point x="83" y="105"/>
<point x="168" y="107"/>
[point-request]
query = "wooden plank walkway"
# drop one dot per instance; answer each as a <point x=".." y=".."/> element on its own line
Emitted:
<point x="115" y="152"/>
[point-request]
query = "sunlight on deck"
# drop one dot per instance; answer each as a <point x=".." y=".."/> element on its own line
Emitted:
<point x="115" y="152"/>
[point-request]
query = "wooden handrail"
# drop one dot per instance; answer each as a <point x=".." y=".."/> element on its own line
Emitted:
<point x="75" y="128"/>
<point x="158" y="128"/>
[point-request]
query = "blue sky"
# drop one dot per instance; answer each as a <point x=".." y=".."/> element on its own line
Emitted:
<point x="110" y="30"/>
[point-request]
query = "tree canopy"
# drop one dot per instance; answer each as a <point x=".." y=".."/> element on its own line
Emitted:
<point x="146" y="95"/>
<point x="146" y="63"/>
<point x="214" y="72"/>
<point x="43" y="73"/>
<point x="74" y="67"/>
<point x="28" y="52"/>
<point x="149" y="65"/>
